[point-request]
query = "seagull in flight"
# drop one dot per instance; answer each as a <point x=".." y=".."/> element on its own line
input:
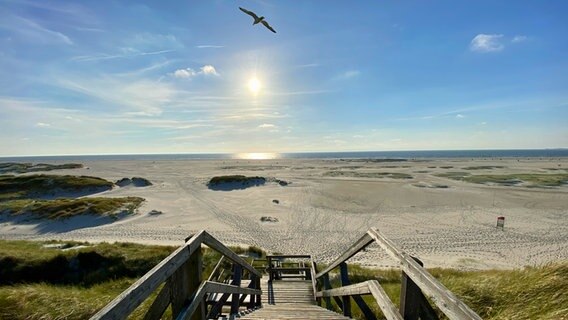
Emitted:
<point x="257" y="19"/>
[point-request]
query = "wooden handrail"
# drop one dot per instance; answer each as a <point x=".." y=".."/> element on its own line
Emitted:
<point x="213" y="287"/>
<point x="359" y="245"/>
<point x="368" y="287"/>
<point x="446" y="301"/>
<point x="181" y="272"/>
<point x="451" y="305"/>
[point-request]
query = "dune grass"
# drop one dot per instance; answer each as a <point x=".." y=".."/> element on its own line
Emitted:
<point x="357" y="174"/>
<point x="66" y="208"/>
<point x="39" y="185"/>
<point x="532" y="179"/>
<point x="530" y="293"/>
<point x="17" y="167"/>
<point x="235" y="179"/>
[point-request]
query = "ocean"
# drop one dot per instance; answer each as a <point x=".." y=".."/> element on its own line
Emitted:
<point x="423" y="154"/>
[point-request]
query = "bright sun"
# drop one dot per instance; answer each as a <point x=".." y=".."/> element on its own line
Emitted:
<point x="254" y="85"/>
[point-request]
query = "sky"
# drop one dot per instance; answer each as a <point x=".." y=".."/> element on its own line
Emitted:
<point x="195" y="76"/>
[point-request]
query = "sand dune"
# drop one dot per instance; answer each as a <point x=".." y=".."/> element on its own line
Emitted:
<point x="445" y="222"/>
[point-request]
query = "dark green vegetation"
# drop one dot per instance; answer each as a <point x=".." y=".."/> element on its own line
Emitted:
<point x="135" y="181"/>
<point x="65" y="208"/>
<point x="235" y="179"/>
<point x="16" y="167"/>
<point x="42" y="185"/>
<point x="72" y="280"/>
<point x="357" y="174"/>
<point x="29" y="194"/>
<point x="483" y="167"/>
<point x="532" y="179"/>
<point x="233" y="182"/>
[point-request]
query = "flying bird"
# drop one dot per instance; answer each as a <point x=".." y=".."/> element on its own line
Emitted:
<point x="257" y="19"/>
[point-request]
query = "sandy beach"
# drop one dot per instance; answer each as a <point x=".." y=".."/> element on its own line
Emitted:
<point x="330" y="203"/>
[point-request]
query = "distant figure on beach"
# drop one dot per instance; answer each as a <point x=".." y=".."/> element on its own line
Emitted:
<point x="257" y="19"/>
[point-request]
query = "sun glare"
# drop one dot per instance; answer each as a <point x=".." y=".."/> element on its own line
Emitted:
<point x="254" y="85"/>
<point x="257" y="156"/>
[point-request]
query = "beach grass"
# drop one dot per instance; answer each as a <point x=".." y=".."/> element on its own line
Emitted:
<point x="39" y="185"/>
<point x="17" y="167"/>
<point x="66" y="208"/>
<point x="532" y="179"/>
<point x="357" y="174"/>
<point x="530" y="293"/>
<point x="234" y="179"/>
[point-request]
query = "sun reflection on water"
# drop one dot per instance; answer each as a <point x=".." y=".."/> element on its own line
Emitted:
<point x="257" y="156"/>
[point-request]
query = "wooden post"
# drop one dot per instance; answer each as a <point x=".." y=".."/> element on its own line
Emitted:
<point x="184" y="282"/>
<point x="369" y="315"/>
<point x="235" y="299"/>
<point x="258" y="300"/>
<point x="327" y="286"/>
<point x="413" y="303"/>
<point x="269" y="259"/>
<point x="344" y="282"/>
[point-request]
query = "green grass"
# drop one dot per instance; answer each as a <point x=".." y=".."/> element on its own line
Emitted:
<point x="483" y="167"/>
<point x="32" y="186"/>
<point x="16" y="167"/>
<point x="357" y="174"/>
<point x="234" y="178"/>
<point x="530" y="293"/>
<point x="65" y="208"/>
<point x="534" y="180"/>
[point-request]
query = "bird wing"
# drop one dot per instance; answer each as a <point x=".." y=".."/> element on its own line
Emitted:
<point x="250" y="13"/>
<point x="268" y="26"/>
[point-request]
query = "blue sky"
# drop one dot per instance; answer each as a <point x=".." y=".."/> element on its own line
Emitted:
<point x="90" y="77"/>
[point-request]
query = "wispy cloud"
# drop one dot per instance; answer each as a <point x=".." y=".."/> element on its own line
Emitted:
<point x="349" y="74"/>
<point x="519" y="38"/>
<point x="32" y="31"/>
<point x="267" y="125"/>
<point x="130" y="54"/>
<point x="487" y="43"/>
<point x="209" y="46"/>
<point x="43" y="125"/>
<point x="460" y="116"/>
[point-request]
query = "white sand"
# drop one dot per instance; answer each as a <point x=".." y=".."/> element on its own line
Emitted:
<point x="321" y="216"/>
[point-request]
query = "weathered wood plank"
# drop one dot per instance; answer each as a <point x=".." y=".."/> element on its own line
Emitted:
<point x="212" y="287"/>
<point x="160" y="304"/>
<point x="361" y="288"/>
<point x="346" y="300"/>
<point x="235" y="301"/>
<point x="221" y="248"/>
<point x="387" y="307"/>
<point x="132" y="297"/>
<point x="453" y="307"/>
<point x="363" y="242"/>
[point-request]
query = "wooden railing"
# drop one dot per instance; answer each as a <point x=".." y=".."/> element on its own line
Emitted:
<point x="280" y="267"/>
<point x="417" y="283"/>
<point x="182" y="287"/>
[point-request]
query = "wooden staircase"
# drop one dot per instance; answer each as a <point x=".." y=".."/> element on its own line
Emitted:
<point x="290" y="299"/>
<point x="281" y="287"/>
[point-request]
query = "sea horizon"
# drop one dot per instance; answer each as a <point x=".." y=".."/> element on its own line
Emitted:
<point x="402" y="154"/>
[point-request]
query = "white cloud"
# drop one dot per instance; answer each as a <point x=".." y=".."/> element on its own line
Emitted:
<point x="43" y="125"/>
<point x="519" y="38"/>
<point x="267" y="125"/>
<point x="209" y="70"/>
<point x="184" y="73"/>
<point x="190" y="73"/>
<point x="460" y="116"/>
<point x="487" y="43"/>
